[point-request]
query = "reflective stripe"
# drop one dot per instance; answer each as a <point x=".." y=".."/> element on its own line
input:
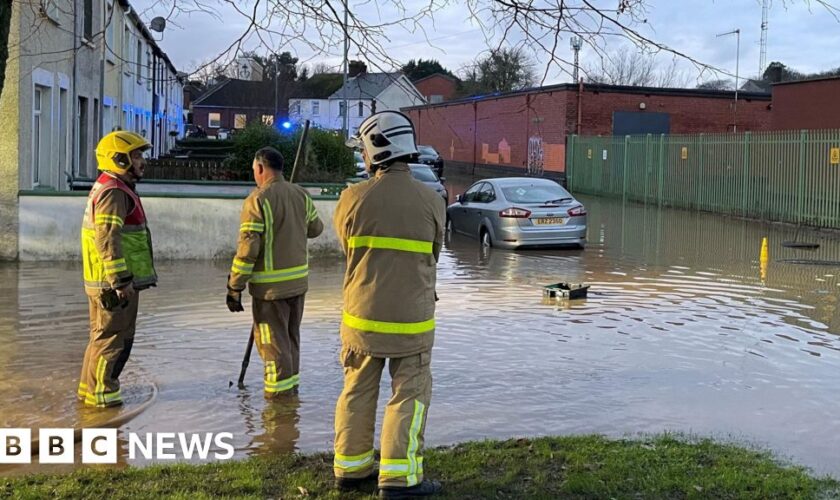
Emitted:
<point x="353" y="463"/>
<point x="241" y="267"/>
<point x="311" y="213"/>
<point x="288" y="274"/>
<point x="280" y="385"/>
<point x="102" y="399"/>
<point x="386" y="243"/>
<point x="109" y="219"/>
<point x="414" y="442"/>
<point x="82" y="390"/>
<point x="265" y="334"/>
<point x="398" y="467"/>
<point x="115" y="266"/>
<point x="369" y="325"/>
<point x="256" y="227"/>
<point x="269" y="236"/>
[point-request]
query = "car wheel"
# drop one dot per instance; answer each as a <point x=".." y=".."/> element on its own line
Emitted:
<point x="486" y="241"/>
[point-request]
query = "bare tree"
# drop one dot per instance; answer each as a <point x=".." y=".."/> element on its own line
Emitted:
<point x="636" y="68"/>
<point x="717" y="84"/>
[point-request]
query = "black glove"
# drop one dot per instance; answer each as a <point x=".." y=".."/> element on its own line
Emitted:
<point x="436" y="297"/>
<point x="234" y="301"/>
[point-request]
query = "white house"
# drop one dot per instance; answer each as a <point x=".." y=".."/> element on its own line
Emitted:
<point x="365" y="93"/>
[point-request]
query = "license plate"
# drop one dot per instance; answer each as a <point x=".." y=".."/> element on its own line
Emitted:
<point x="549" y="220"/>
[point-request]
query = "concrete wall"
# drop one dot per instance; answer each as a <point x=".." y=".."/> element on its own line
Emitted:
<point x="9" y="152"/>
<point x="182" y="228"/>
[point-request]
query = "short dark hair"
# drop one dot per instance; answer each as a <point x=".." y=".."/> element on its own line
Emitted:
<point x="271" y="158"/>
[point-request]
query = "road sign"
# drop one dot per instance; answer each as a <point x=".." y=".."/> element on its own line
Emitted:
<point x="835" y="156"/>
<point x="684" y="153"/>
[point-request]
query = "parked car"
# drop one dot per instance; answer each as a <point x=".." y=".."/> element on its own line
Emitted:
<point x="427" y="176"/>
<point x="428" y="156"/>
<point x="361" y="170"/>
<point x="517" y="212"/>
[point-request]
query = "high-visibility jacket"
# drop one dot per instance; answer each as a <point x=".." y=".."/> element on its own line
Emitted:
<point x="116" y="243"/>
<point x="272" y="256"/>
<point x="391" y="228"/>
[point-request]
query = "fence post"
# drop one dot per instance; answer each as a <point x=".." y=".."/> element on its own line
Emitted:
<point x="699" y="198"/>
<point x="624" y="176"/>
<point x="800" y="191"/>
<point x="570" y="160"/>
<point x="648" y="164"/>
<point x="746" y="172"/>
<point x="661" y="168"/>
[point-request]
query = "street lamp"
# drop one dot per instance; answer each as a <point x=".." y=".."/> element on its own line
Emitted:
<point x="737" y="33"/>
<point x="576" y="43"/>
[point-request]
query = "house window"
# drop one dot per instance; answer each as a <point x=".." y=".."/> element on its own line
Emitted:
<point x="36" y="134"/>
<point x="214" y="120"/>
<point x="63" y="105"/>
<point x="139" y="61"/>
<point x="316" y="108"/>
<point x="268" y="119"/>
<point x="126" y="50"/>
<point x="341" y="108"/>
<point x="361" y="109"/>
<point x="88" y="21"/>
<point x="239" y="120"/>
<point x="109" y="32"/>
<point x="82" y="145"/>
<point x="148" y="70"/>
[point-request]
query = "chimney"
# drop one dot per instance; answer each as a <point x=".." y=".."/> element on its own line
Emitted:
<point x="356" y="68"/>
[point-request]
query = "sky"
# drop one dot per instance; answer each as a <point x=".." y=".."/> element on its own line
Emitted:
<point x="802" y="34"/>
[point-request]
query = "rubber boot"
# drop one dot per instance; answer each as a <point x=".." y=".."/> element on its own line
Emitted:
<point x="426" y="488"/>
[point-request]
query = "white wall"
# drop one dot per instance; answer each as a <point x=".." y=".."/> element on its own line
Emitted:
<point x="320" y="121"/>
<point x="399" y="94"/>
<point x="182" y="228"/>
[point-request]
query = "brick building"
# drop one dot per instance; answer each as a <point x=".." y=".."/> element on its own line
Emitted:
<point x="437" y="88"/>
<point x="504" y="133"/>
<point x="807" y="104"/>
<point x="233" y="103"/>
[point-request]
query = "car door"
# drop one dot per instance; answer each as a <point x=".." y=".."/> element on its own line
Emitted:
<point x="478" y="208"/>
<point x="459" y="214"/>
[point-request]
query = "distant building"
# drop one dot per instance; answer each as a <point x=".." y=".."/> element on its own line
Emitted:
<point x="437" y="88"/>
<point x="807" y="104"/>
<point x="232" y="104"/>
<point x="365" y="93"/>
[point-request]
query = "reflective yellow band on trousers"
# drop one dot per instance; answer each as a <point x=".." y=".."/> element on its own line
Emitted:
<point x="370" y="325"/>
<point x="276" y="276"/>
<point x="398" y="467"/>
<point x="265" y="333"/>
<point x="353" y="463"/>
<point x="386" y="243"/>
<point x="280" y="385"/>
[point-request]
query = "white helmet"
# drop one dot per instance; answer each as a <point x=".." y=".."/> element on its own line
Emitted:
<point x="386" y="135"/>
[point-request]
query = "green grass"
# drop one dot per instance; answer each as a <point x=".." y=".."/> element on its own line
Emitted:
<point x="663" y="467"/>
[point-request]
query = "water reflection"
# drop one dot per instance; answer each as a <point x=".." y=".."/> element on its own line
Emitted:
<point x="683" y="329"/>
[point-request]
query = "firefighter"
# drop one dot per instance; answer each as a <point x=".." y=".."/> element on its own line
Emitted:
<point x="272" y="259"/>
<point x="117" y="262"/>
<point x="391" y="229"/>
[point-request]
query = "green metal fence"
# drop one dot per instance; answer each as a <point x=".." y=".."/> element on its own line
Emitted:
<point x="791" y="176"/>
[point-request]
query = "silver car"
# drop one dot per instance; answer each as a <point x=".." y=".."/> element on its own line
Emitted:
<point x="427" y="176"/>
<point x="517" y="212"/>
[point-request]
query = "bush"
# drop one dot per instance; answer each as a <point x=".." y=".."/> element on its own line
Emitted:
<point x="327" y="159"/>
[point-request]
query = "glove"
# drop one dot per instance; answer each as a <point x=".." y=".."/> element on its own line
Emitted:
<point x="234" y="301"/>
<point x="436" y="297"/>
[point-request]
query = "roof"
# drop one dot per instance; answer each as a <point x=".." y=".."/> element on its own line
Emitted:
<point x="809" y="80"/>
<point x="598" y="87"/>
<point x="756" y="86"/>
<point x="320" y="86"/>
<point x="433" y="75"/>
<point x="234" y="93"/>
<point x="366" y="86"/>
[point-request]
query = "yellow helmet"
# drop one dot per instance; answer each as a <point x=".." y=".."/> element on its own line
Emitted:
<point x="113" y="150"/>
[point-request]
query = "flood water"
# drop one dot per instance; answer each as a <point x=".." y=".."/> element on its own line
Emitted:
<point x="684" y="330"/>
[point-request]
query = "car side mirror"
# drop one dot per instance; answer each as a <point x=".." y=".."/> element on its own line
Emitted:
<point x="442" y="179"/>
<point x="459" y="198"/>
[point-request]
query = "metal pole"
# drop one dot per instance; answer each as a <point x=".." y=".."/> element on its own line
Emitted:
<point x="737" y="67"/>
<point x="276" y="74"/>
<point x="345" y="124"/>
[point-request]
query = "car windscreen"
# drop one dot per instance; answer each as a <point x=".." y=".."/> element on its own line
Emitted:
<point x="426" y="150"/>
<point x="423" y="174"/>
<point x="535" y="193"/>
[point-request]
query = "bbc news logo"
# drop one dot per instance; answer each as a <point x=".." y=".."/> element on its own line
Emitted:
<point x="99" y="446"/>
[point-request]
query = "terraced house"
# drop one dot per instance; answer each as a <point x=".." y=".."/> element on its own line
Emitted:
<point x="77" y="69"/>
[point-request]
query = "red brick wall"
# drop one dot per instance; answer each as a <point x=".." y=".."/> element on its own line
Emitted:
<point x="481" y="131"/>
<point x="437" y="85"/>
<point x="689" y="114"/>
<point x="806" y="105"/>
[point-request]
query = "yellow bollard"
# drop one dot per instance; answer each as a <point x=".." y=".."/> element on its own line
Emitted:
<point x="764" y="258"/>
